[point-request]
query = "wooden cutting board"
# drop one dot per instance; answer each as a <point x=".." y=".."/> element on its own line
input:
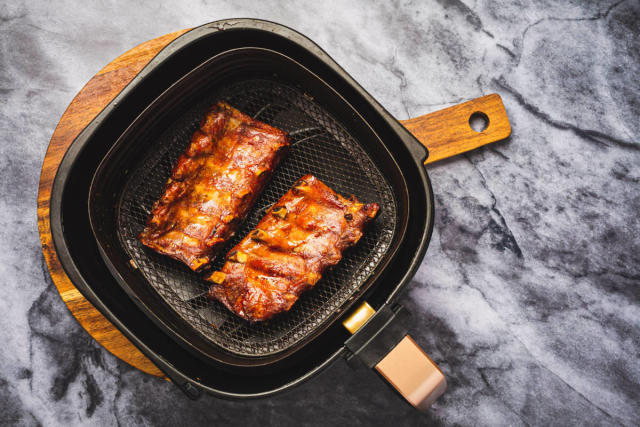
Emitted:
<point x="446" y="133"/>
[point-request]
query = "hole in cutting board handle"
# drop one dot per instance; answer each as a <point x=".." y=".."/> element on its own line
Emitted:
<point x="448" y="132"/>
<point x="479" y="121"/>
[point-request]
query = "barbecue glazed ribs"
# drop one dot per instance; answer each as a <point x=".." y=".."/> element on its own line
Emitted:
<point x="305" y="232"/>
<point x="213" y="185"/>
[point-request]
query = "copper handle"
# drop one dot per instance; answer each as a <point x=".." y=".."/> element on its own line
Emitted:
<point x="413" y="374"/>
<point x="406" y="366"/>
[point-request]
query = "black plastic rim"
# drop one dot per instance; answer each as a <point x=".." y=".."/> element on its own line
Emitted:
<point x="400" y="272"/>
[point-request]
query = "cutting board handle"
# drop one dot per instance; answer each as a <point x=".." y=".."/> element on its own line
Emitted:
<point x="448" y="132"/>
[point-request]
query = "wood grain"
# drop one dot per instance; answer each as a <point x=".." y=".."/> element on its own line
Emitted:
<point x="446" y="133"/>
<point x="93" y="97"/>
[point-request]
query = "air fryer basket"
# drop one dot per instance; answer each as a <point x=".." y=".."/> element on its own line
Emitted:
<point x="321" y="146"/>
<point x="124" y="296"/>
<point x="273" y="88"/>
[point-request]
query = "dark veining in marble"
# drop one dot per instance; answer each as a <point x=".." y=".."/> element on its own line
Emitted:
<point x="588" y="134"/>
<point x="461" y="8"/>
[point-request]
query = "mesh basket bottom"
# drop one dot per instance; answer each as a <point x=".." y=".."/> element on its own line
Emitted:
<point x="320" y="146"/>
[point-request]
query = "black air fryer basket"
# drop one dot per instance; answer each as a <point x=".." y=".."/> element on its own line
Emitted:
<point x="339" y="133"/>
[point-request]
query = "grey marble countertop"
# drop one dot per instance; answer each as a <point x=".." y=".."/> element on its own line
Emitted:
<point x="529" y="295"/>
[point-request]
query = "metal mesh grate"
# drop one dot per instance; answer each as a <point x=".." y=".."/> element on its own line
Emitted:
<point x="320" y="146"/>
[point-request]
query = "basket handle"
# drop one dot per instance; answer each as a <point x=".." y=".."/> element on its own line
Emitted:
<point x="386" y="347"/>
<point x="448" y="132"/>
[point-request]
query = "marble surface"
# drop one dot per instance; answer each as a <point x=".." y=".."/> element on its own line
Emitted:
<point x="529" y="295"/>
